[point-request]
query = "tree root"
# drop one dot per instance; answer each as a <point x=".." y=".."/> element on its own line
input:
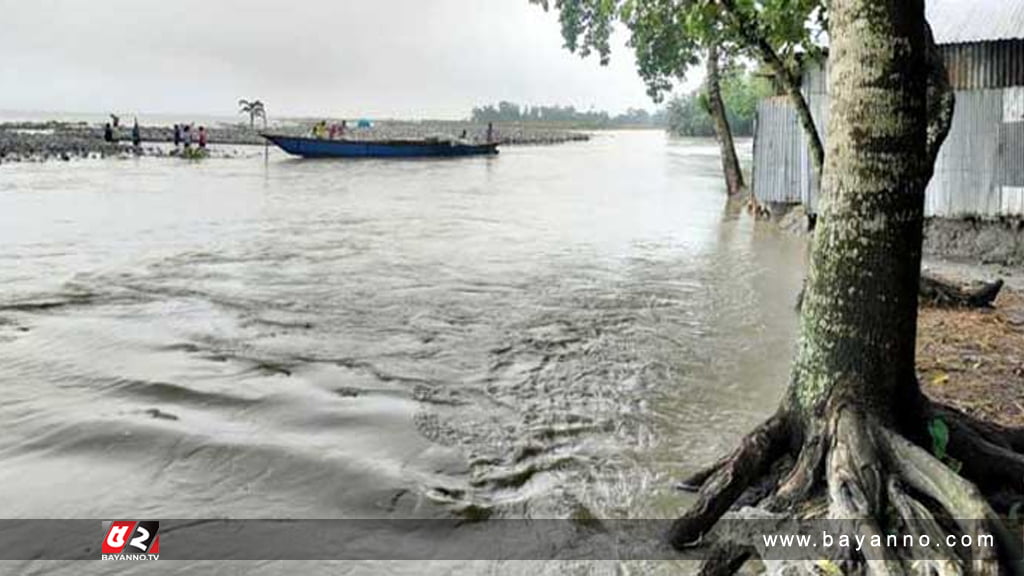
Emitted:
<point x="994" y="466"/>
<point x="877" y="483"/>
<point x="805" y="476"/>
<point x="746" y="465"/>
<point x="960" y="498"/>
<point x="1010" y="438"/>
<point x="724" y="559"/>
<point x="936" y="291"/>
<point x="918" y="519"/>
<point x="856" y="483"/>
<point x="695" y="481"/>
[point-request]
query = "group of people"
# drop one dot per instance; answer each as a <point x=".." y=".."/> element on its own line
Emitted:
<point x="110" y="131"/>
<point x="334" y="131"/>
<point x="321" y="130"/>
<point x="185" y="135"/>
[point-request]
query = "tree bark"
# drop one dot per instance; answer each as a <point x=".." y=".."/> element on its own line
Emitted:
<point x="859" y="319"/>
<point x="716" y="108"/>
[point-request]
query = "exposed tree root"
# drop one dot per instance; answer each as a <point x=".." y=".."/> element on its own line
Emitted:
<point x="994" y="466"/>
<point x="856" y="483"/>
<point x="1011" y="438"/>
<point x="961" y="499"/>
<point x="936" y="291"/>
<point x="877" y="482"/>
<point x="918" y="519"/>
<point x="754" y="457"/>
<point x="695" y="481"/>
<point x="724" y="559"/>
<point x="804" y="478"/>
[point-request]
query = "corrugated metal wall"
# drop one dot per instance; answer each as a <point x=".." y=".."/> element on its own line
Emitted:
<point x="777" y="154"/>
<point x="985" y="64"/>
<point x="966" y="169"/>
<point x="974" y="66"/>
<point x="979" y="172"/>
<point x="783" y="169"/>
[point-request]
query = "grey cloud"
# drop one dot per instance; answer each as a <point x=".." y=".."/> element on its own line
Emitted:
<point x="353" y="57"/>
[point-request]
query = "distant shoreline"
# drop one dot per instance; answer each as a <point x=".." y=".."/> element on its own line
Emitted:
<point x="62" y="140"/>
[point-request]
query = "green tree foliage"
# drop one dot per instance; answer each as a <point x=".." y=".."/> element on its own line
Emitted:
<point x="741" y="90"/>
<point x="688" y="115"/>
<point x="670" y="36"/>
<point x="566" y="115"/>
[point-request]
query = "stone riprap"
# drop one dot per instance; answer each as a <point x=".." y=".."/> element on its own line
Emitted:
<point x="65" y="141"/>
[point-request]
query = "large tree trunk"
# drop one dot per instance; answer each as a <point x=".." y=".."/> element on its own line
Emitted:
<point x="716" y="108"/>
<point x="853" y="436"/>
<point x="859" y="320"/>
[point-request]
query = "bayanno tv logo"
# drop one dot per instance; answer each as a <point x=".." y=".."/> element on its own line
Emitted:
<point x="130" y="541"/>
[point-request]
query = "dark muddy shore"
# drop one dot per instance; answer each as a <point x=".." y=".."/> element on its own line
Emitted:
<point x="995" y="241"/>
<point x="971" y="240"/>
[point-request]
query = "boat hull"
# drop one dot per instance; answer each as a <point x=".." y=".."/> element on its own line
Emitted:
<point x="321" y="148"/>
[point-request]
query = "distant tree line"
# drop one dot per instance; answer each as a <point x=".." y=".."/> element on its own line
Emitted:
<point x="741" y="90"/>
<point x="568" y="115"/>
<point x="684" y="115"/>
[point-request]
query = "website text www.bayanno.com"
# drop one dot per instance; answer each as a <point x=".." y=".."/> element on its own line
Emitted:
<point x="864" y="543"/>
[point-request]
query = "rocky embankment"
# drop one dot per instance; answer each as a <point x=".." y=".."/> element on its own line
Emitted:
<point x="35" y="142"/>
<point x="506" y="134"/>
<point x="21" y="142"/>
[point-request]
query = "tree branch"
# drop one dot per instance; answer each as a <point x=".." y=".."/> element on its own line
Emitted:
<point x="941" y="99"/>
<point x="759" y="43"/>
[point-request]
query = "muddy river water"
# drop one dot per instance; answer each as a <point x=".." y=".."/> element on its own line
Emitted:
<point x="552" y="332"/>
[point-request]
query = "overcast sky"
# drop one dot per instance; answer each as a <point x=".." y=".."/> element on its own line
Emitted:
<point x="376" y="58"/>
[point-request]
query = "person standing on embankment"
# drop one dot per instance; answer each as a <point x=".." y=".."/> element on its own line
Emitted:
<point x="136" y="134"/>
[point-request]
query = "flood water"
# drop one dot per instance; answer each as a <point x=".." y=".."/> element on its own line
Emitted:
<point x="553" y="331"/>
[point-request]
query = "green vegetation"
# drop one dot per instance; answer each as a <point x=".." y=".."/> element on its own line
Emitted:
<point x="567" y="116"/>
<point x="683" y="115"/>
<point x="670" y="37"/>
<point x="688" y="114"/>
<point x="195" y="153"/>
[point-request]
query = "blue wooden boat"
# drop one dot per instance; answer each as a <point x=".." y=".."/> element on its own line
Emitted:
<point x="427" y="148"/>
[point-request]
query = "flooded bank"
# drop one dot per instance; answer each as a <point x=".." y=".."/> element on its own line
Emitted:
<point x="552" y="332"/>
